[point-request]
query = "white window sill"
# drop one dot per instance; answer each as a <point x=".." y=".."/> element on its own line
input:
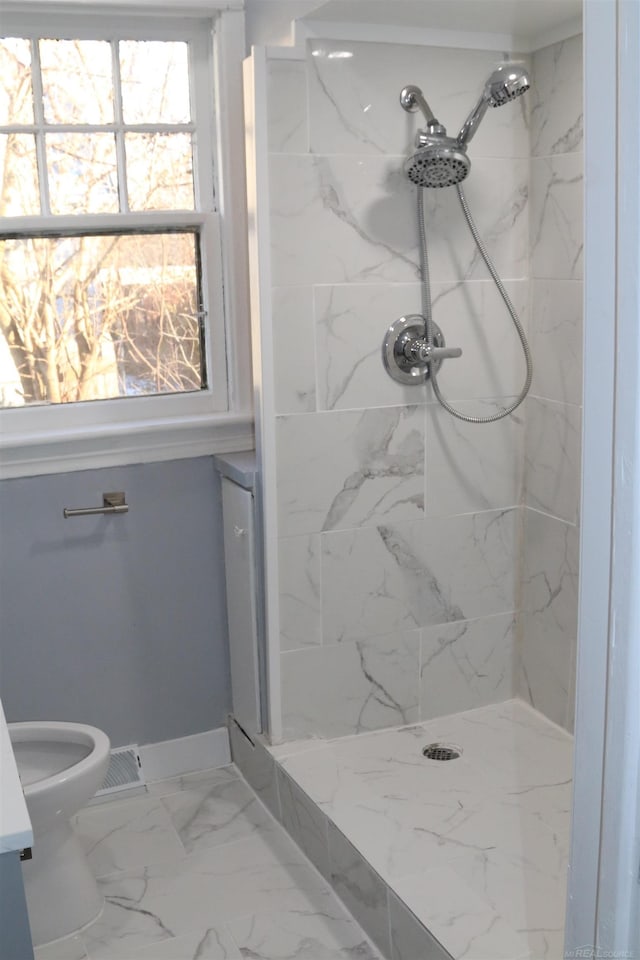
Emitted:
<point x="116" y="445"/>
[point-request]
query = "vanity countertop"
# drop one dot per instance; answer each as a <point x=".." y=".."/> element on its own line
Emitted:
<point x="240" y="467"/>
<point x="15" y="825"/>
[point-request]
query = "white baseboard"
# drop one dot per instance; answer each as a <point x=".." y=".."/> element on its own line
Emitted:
<point x="170" y="758"/>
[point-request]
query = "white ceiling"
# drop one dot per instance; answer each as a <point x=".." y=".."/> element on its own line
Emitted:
<point x="520" y="18"/>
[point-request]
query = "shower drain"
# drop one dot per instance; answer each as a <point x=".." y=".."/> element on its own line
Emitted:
<point x="441" y="751"/>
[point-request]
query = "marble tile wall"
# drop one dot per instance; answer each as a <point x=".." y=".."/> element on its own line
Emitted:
<point x="554" y="409"/>
<point x="399" y="528"/>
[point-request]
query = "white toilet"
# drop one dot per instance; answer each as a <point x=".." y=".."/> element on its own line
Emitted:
<point x="61" y="765"/>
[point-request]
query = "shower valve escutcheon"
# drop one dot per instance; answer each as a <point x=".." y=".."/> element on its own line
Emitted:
<point x="408" y="356"/>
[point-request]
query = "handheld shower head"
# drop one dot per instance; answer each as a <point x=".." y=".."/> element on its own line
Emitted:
<point x="507" y="82"/>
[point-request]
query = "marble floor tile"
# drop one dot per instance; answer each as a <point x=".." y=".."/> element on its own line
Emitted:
<point x="182" y="908"/>
<point x="475" y="850"/>
<point x="549" y="802"/>
<point x="531" y="901"/>
<point x="303" y="935"/>
<point x="71" y="948"/>
<point x="263" y="873"/>
<point x="512" y="744"/>
<point x="206" y="815"/>
<point x="133" y="833"/>
<point x="216" y="943"/>
<point x="495" y="821"/>
<point x="463" y="922"/>
<point x="546" y="944"/>
<point x="162" y="788"/>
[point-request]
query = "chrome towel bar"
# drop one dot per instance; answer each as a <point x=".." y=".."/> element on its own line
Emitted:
<point x="111" y="503"/>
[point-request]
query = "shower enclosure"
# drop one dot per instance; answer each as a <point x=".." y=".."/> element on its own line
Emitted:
<point x="421" y="569"/>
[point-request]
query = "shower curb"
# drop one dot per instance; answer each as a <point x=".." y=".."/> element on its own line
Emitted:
<point x="392" y="927"/>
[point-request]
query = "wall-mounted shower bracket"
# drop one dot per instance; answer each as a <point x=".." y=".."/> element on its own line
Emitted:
<point x="406" y="354"/>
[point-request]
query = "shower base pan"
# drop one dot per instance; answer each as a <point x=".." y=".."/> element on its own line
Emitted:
<point x="438" y="858"/>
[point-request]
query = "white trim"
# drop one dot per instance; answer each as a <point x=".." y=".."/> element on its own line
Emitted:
<point x="258" y="202"/>
<point x="308" y="29"/>
<point x="228" y="49"/>
<point x="604" y="851"/>
<point x="618" y="905"/>
<point x="286" y="53"/>
<point x="171" y="758"/>
<point x="184" y="438"/>
<point x="63" y="224"/>
<point x="98" y="24"/>
<point x="193" y="8"/>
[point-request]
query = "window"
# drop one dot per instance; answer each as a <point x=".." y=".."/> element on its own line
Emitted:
<point x="110" y="252"/>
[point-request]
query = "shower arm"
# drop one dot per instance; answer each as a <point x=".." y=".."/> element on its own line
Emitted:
<point x="412" y="99"/>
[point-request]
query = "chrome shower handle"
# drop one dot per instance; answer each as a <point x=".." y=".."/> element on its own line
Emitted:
<point x="111" y="503"/>
<point x="422" y="352"/>
<point x="444" y="353"/>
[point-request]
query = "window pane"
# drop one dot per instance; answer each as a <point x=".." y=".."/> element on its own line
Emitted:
<point x="19" y="175"/>
<point x="155" y="81"/>
<point x="159" y="171"/>
<point x="77" y="81"/>
<point x="99" y="317"/>
<point x="83" y="175"/>
<point x="16" y="98"/>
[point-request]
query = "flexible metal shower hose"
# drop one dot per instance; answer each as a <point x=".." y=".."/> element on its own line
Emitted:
<point x="428" y="313"/>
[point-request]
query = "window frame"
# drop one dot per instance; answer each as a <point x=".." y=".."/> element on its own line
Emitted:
<point x="44" y="438"/>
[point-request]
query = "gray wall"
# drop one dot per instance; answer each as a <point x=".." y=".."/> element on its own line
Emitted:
<point x="118" y="622"/>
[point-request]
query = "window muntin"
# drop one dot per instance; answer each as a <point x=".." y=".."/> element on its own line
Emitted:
<point x="132" y="159"/>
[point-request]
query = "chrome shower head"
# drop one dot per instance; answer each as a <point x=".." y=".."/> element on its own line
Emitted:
<point x="439" y="161"/>
<point x="506" y="83"/>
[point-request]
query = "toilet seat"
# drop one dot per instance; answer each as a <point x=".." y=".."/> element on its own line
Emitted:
<point x="48" y="753"/>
